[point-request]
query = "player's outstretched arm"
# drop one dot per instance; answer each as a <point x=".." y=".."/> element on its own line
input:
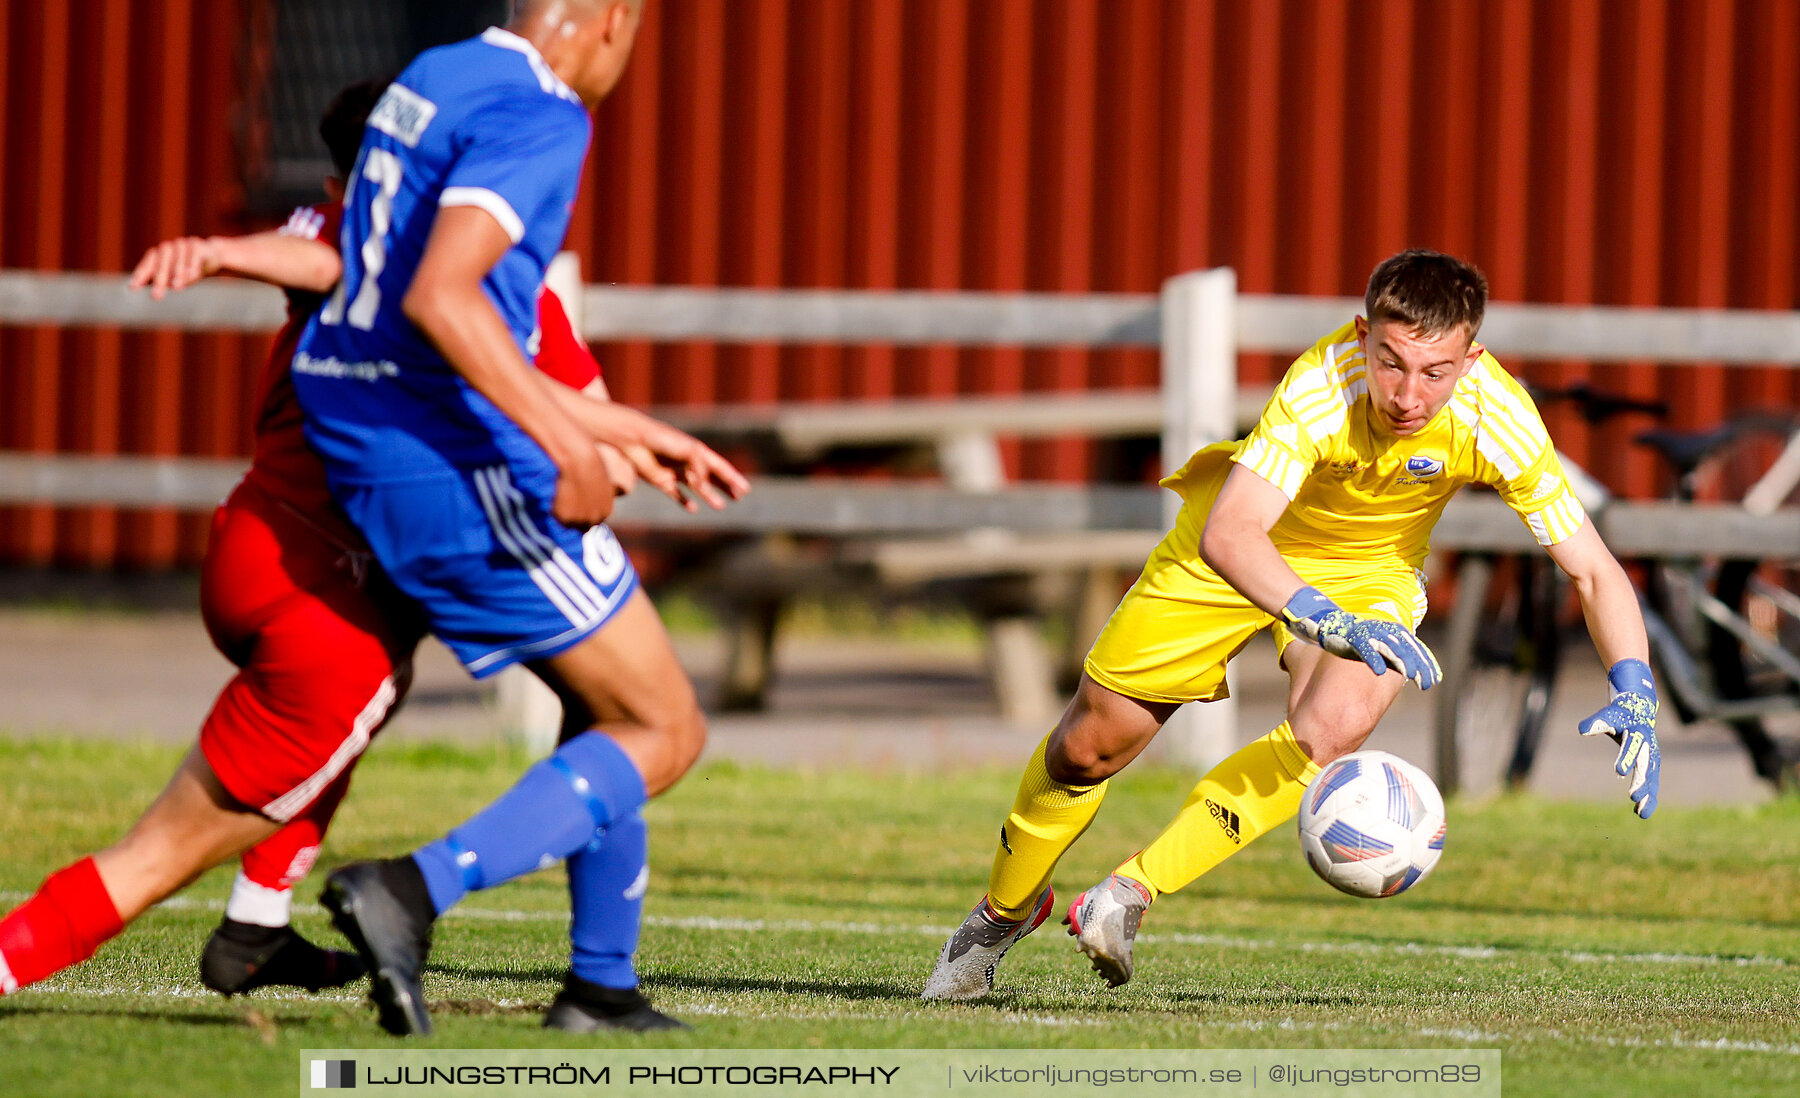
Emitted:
<point x="288" y="261"/>
<point x="1236" y="543"/>
<point x="1236" y="540"/>
<point x="673" y="461"/>
<point x="445" y="300"/>
<point x="1610" y="605"/>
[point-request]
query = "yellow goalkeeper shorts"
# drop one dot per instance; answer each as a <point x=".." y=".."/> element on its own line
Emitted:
<point x="1172" y="634"/>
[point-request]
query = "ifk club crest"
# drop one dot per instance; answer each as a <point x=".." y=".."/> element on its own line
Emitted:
<point x="1422" y="467"/>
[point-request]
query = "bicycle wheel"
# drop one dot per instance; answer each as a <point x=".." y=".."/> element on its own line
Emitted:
<point x="1752" y="661"/>
<point x="1495" y="692"/>
<point x="1540" y="594"/>
<point x="1751" y="652"/>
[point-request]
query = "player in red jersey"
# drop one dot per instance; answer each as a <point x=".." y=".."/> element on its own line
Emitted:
<point x="323" y="645"/>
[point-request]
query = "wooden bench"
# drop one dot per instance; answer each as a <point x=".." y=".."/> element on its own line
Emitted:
<point x="1008" y="580"/>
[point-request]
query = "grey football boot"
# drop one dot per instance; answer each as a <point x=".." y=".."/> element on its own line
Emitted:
<point x="965" y="967"/>
<point x="1104" y="921"/>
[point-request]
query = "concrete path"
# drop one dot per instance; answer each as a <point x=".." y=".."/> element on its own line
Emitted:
<point x="837" y="702"/>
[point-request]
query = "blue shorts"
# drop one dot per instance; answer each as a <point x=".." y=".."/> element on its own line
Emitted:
<point x="499" y="579"/>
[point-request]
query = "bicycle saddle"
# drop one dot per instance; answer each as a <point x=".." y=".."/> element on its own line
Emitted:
<point x="1686" y="450"/>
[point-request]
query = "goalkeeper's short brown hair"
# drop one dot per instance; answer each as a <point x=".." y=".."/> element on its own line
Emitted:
<point x="1428" y="292"/>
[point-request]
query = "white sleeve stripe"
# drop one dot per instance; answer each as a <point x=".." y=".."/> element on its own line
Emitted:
<point x="1324" y="425"/>
<point x="1489" y="447"/>
<point x="1572" y="513"/>
<point x="1324" y="389"/>
<point x="1538" y="529"/>
<point x="1274" y="466"/>
<point x="1304" y="401"/>
<point x="1503" y="424"/>
<point x="1315" y="406"/>
<point x="1515" y="422"/>
<point x="1505" y="431"/>
<point x="1518" y="441"/>
<point x="1558" y="522"/>
<point x="1319" y="379"/>
<point x="1465" y="408"/>
<point x="501" y="210"/>
<point x="1255" y="454"/>
<point x="1330" y="420"/>
<point x="1518" y="448"/>
<point x="1323" y="413"/>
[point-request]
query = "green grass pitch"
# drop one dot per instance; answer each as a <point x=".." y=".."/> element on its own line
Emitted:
<point x="1603" y="955"/>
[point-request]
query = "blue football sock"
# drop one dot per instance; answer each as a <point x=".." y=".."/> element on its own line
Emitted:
<point x="560" y="806"/>
<point x="606" y="894"/>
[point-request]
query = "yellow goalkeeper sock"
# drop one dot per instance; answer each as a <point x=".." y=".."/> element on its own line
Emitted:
<point x="1256" y="789"/>
<point x="1046" y="819"/>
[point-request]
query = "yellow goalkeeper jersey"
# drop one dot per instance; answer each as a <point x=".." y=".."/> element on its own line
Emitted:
<point x="1363" y="494"/>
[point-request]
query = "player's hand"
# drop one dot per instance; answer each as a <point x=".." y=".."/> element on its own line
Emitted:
<point x="175" y="265"/>
<point x="620" y="469"/>
<point x="684" y="468"/>
<point x="1382" y="644"/>
<point x="1630" y="719"/>
<point x="584" y="492"/>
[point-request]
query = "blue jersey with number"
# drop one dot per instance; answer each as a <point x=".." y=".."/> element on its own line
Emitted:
<point x="483" y="122"/>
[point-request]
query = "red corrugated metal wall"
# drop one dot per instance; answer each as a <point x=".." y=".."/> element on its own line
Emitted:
<point x="116" y="131"/>
<point x="1611" y="151"/>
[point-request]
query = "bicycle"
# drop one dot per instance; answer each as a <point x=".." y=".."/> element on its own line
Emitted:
<point x="1722" y="633"/>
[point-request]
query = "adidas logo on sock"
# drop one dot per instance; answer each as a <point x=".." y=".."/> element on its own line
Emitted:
<point x="1226" y="819"/>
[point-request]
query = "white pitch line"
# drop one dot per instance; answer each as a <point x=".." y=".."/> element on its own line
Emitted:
<point x="677" y="1005"/>
<point x="1476" y="1037"/>
<point x="825" y="926"/>
<point x="803" y="1014"/>
<point x="703" y="922"/>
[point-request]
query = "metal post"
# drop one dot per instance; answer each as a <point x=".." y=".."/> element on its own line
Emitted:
<point x="1199" y="382"/>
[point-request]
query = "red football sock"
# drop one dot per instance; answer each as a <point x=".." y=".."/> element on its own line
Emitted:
<point x="284" y="858"/>
<point x="61" y="925"/>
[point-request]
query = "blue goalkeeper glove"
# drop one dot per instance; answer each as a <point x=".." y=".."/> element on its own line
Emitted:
<point x="1630" y="719"/>
<point x="1377" y="642"/>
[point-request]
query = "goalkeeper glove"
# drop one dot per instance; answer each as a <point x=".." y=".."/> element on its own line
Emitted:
<point x="1630" y="719"/>
<point x="1377" y="642"/>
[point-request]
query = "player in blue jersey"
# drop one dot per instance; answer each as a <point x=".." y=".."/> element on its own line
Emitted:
<point x="481" y="496"/>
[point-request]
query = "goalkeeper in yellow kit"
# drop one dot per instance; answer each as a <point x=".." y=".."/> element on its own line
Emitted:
<point x="1317" y="524"/>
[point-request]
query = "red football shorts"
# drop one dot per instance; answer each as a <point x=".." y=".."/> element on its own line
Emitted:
<point x="323" y="645"/>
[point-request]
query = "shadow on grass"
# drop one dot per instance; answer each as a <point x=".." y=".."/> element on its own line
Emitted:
<point x="836" y="989"/>
<point x="831" y="988"/>
<point x="1240" y="1000"/>
<point x="176" y="1017"/>
<point x="546" y="973"/>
